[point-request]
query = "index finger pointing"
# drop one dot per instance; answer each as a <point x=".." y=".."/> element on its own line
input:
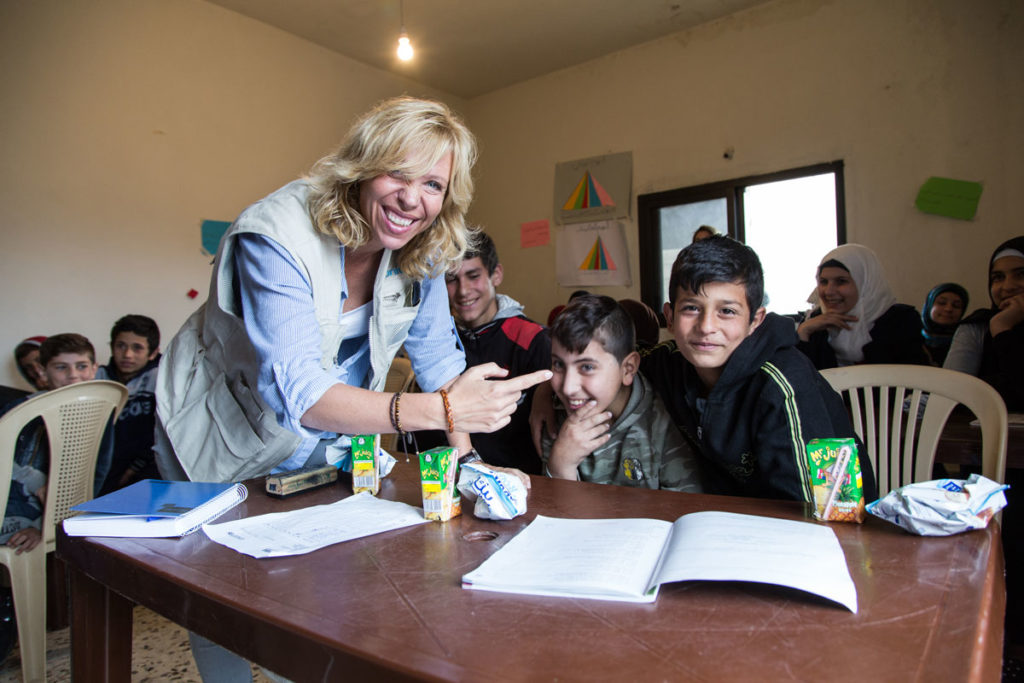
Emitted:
<point x="524" y="382"/>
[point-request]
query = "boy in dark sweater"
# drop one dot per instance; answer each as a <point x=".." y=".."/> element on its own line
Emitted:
<point x="134" y="362"/>
<point x="734" y="381"/>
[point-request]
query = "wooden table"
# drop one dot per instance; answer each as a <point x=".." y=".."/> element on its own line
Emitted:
<point x="390" y="606"/>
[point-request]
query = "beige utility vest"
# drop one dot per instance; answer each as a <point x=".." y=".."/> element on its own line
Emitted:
<point x="218" y="428"/>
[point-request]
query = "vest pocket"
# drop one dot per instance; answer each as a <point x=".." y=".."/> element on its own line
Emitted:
<point x="212" y="438"/>
<point x="235" y="429"/>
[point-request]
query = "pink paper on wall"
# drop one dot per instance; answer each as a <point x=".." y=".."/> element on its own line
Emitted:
<point x="534" y="234"/>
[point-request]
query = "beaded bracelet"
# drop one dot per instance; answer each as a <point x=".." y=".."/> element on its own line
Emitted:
<point x="396" y="420"/>
<point x="448" y="411"/>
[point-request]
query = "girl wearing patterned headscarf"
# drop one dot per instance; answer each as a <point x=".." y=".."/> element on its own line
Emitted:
<point x="856" y="318"/>
<point x="990" y="342"/>
<point x="943" y="308"/>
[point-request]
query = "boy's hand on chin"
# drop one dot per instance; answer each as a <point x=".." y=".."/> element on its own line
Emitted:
<point x="581" y="434"/>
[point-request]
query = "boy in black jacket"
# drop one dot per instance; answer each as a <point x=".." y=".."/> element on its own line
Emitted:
<point x="734" y="382"/>
<point x="134" y="362"/>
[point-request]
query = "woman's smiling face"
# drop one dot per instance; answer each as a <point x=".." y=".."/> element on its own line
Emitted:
<point x="397" y="208"/>
<point x="837" y="292"/>
<point x="1006" y="278"/>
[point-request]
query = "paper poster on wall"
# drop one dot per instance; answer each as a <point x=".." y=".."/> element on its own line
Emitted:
<point x="534" y="234"/>
<point x="593" y="189"/>
<point x="592" y="254"/>
<point x="211" y="232"/>
<point x="948" y="197"/>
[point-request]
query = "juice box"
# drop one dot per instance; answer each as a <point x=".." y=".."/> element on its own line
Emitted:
<point x="836" y="479"/>
<point x="441" y="500"/>
<point x="365" y="454"/>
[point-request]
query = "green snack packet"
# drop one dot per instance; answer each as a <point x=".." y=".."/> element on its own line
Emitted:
<point x="836" y="480"/>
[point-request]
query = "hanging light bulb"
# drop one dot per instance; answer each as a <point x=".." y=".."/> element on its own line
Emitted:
<point x="404" y="46"/>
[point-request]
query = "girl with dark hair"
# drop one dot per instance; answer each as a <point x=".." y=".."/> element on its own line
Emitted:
<point x="990" y="342"/>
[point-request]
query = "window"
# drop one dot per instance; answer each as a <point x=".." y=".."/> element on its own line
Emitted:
<point x="790" y="218"/>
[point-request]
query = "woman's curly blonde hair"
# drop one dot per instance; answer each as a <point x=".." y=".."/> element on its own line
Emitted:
<point x="410" y="136"/>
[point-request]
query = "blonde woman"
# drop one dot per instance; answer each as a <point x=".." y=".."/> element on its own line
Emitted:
<point x="315" y="288"/>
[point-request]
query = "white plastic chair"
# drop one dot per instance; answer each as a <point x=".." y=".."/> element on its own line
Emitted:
<point x="75" y="417"/>
<point x="400" y="378"/>
<point x="885" y="403"/>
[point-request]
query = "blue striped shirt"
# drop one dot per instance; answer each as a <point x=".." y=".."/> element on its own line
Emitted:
<point x="280" y="319"/>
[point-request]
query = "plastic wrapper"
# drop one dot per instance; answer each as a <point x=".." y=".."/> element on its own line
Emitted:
<point x="498" y="495"/>
<point x="942" y="507"/>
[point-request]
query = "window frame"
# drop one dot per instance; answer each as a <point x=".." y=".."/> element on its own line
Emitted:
<point x="649" y="217"/>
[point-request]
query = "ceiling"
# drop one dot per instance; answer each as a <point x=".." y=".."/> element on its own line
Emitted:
<point x="472" y="47"/>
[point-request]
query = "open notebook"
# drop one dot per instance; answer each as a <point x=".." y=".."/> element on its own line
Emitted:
<point x="628" y="559"/>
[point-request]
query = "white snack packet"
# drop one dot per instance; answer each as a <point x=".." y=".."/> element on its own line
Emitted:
<point x="385" y="463"/>
<point x="498" y="495"/>
<point x="942" y="507"/>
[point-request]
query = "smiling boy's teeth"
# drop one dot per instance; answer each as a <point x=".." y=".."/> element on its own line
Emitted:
<point x="404" y="222"/>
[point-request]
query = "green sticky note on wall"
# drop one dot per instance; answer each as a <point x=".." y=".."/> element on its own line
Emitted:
<point x="948" y="197"/>
<point x="211" y="232"/>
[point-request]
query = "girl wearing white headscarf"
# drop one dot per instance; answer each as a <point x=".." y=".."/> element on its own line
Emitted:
<point x="856" y="318"/>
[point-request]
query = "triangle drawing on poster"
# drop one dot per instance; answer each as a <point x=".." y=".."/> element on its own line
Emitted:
<point x="598" y="258"/>
<point x="588" y="194"/>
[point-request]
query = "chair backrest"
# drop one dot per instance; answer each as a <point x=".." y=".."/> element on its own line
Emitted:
<point x="75" y="417"/>
<point x="400" y="378"/>
<point x="899" y="412"/>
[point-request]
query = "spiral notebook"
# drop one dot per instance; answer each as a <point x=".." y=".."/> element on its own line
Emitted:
<point x="153" y="508"/>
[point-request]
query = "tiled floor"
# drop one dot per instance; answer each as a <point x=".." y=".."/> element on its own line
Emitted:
<point x="160" y="652"/>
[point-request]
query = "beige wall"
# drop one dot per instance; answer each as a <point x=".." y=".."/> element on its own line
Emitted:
<point x="899" y="89"/>
<point x="124" y="124"/>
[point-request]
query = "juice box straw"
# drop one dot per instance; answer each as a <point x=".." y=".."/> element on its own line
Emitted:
<point x="840" y="473"/>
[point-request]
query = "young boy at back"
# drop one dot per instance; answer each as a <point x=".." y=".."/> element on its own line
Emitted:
<point x="612" y="428"/>
<point x="734" y="381"/>
<point x="66" y="359"/>
<point x="134" y="362"/>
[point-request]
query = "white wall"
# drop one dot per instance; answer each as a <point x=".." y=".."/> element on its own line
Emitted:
<point x="899" y="89"/>
<point x="124" y="124"/>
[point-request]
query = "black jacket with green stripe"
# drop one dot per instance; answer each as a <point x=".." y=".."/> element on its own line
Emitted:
<point x="752" y="428"/>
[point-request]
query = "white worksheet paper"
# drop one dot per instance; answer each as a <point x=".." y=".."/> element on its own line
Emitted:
<point x="301" y="531"/>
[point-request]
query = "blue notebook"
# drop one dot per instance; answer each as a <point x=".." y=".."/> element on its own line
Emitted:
<point x="154" y="508"/>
